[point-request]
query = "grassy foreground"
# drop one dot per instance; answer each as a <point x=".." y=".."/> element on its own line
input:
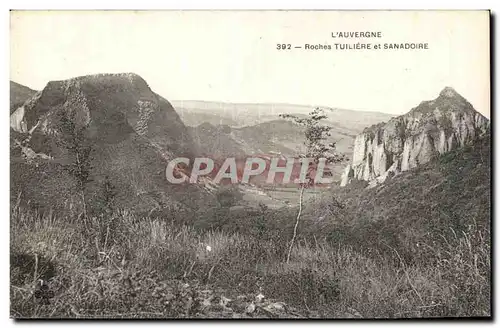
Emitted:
<point x="123" y="266"/>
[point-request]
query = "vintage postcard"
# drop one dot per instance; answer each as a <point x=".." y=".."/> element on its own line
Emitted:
<point x="250" y="164"/>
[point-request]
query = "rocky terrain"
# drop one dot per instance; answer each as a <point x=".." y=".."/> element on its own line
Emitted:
<point x="417" y="246"/>
<point x="434" y="127"/>
<point x="117" y="116"/>
<point x="82" y="137"/>
<point x="96" y="232"/>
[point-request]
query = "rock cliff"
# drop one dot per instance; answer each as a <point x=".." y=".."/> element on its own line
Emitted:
<point x="125" y="132"/>
<point x="404" y="142"/>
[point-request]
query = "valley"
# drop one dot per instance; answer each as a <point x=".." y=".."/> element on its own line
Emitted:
<point x="407" y="235"/>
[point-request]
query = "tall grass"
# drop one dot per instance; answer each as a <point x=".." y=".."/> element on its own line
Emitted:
<point x="125" y="266"/>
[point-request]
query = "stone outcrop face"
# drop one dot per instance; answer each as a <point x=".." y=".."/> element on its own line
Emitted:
<point x="404" y="142"/>
<point x="128" y="131"/>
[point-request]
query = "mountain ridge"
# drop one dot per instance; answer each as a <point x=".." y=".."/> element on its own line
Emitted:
<point x="194" y="113"/>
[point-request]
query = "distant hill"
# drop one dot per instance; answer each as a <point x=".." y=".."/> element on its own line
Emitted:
<point x="222" y="129"/>
<point x="18" y="95"/>
<point x="272" y="137"/>
<point x="194" y="112"/>
<point x="216" y="141"/>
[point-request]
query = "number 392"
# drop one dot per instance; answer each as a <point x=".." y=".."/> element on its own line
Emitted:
<point x="283" y="46"/>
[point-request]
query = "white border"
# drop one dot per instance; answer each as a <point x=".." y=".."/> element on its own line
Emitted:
<point x="255" y="4"/>
<point x="189" y="5"/>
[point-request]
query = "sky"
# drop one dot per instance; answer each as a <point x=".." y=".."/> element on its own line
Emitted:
<point x="232" y="56"/>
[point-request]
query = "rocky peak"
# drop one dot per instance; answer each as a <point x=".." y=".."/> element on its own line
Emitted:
<point x="449" y="92"/>
<point x="404" y="142"/>
<point x="108" y="106"/>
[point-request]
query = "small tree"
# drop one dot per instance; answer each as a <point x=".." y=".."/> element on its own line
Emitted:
<point x="73" y="139"/>
<point x="316" y="148"/>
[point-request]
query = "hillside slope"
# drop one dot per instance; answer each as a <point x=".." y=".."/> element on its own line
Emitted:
<point x="90" y="132"/>
<point x="273" y="137"/>
<point x="234" y="129"/>
<point x="18" y="95"/>
<point x="449" y="194"/>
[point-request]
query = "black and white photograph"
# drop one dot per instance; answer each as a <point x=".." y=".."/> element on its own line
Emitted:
<point x="250" y="164"/>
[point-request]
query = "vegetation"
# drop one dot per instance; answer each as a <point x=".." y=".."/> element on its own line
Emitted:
<point x="79" y="150"/>
<point x="152" y="268"/>
<point x="316" y="149"/>
<point x="393" y="259"/>
<point x="418" y="245"/>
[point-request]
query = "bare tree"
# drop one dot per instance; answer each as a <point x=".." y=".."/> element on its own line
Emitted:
<point x="316" y="148"/>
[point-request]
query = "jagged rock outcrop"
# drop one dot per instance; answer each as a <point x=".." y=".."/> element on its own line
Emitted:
<point x="127" y="132"/>
<point x="404" y="142"/>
